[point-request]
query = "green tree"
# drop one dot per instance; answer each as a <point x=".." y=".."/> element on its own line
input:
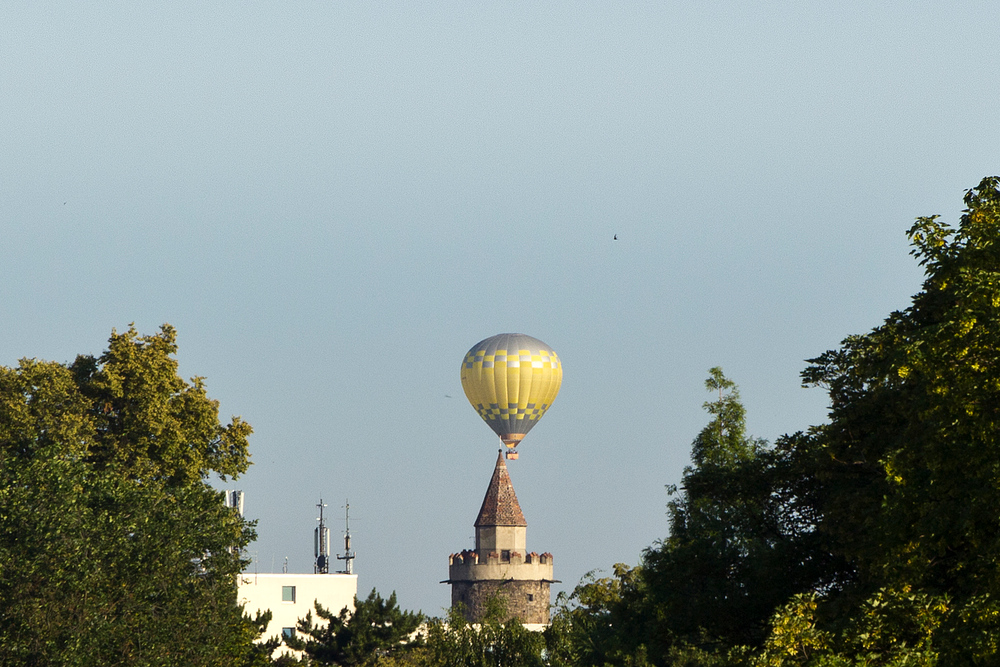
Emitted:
<point x="113" y="549"/>
<point x="148" y="422"/>
<point x="376" y="629"/>
<point x="599" y="623"/>
<point x="741" y="539"/>
<point x="910" y="459"/>
<point x="893" y="628"/>
<point x="723" y="443"/>
<point x="496" y="641"/>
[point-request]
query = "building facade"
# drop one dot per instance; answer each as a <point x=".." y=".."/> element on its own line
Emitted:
<point x="291" y="596"/>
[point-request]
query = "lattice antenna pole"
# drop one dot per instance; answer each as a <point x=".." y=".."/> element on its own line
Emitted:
<point x="349" y="555"/>
<point x="321" y="544"/>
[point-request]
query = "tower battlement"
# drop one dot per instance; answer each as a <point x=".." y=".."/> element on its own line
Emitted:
<point x="472" y="557"/>
<point x="505" y="565"/>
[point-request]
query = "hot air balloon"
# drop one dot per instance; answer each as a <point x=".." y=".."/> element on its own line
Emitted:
<point x="511" y="380"/>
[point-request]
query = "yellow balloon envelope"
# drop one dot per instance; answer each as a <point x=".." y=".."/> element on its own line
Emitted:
<point x="511" y="380"/>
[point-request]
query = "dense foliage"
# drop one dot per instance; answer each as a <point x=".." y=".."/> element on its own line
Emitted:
<point x="113" y="549"/>
<point x="909" y="463"/>
<point x="495" y="640"/>
<point x="378" y="633"/>
<point x="741" y="541"/>
<point x="375" y="629"/>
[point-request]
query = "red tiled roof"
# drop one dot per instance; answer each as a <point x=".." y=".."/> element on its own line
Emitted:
<point x="500" y="506"/>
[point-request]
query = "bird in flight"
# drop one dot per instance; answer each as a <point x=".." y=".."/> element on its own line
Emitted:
<point x="616" y="237"/>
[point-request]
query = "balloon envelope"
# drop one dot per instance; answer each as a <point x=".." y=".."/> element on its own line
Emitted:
<point x="511" y="380"/>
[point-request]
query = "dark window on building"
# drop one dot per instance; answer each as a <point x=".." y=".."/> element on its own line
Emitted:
<point x="287" y="632"/>
<point x="531" y="597"/>
<point x="505" y="556"/>
<point x="288" y="593"/>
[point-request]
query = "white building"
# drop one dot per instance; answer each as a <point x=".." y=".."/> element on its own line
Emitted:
<point x="291" y="596"/>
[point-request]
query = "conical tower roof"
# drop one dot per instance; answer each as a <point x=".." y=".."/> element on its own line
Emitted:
<point x="500" y="507"/>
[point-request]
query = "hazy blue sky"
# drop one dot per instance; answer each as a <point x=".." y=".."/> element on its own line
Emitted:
<point x="332" y="201"/>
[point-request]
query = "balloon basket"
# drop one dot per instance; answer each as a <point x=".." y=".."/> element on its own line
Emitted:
<point x="511" y="456"/>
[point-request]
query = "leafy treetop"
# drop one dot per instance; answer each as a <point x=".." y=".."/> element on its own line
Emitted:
<point x="147" y="421"/>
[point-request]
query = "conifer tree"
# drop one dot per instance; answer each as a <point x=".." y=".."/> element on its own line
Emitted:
<point x="741" y="540"/>
<point x="377" y="628"/>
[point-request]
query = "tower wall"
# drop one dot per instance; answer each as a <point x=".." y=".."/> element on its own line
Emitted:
<point x="528" y="601"/>
<point x="498" y="538"/>
<point x="522" y="581"/>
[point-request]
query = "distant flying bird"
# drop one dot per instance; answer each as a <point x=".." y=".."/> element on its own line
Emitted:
<point x="616" y="237"/>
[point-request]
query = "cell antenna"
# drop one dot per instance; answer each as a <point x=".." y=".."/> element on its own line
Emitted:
<point x="321" y="544"/>
<point x="348" y="556"/>
<point x="234" y="499"/>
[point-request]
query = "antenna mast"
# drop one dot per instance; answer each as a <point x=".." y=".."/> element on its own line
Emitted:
<point x="321" y="544"/>
<point x="234" y="499"/>
<point x="348" y="556"/>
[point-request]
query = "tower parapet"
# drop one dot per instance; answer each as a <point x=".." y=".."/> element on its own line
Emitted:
<point x="500" y="565"/>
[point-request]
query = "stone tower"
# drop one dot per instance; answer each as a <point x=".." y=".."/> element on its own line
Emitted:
<point x="500" y="564"/>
